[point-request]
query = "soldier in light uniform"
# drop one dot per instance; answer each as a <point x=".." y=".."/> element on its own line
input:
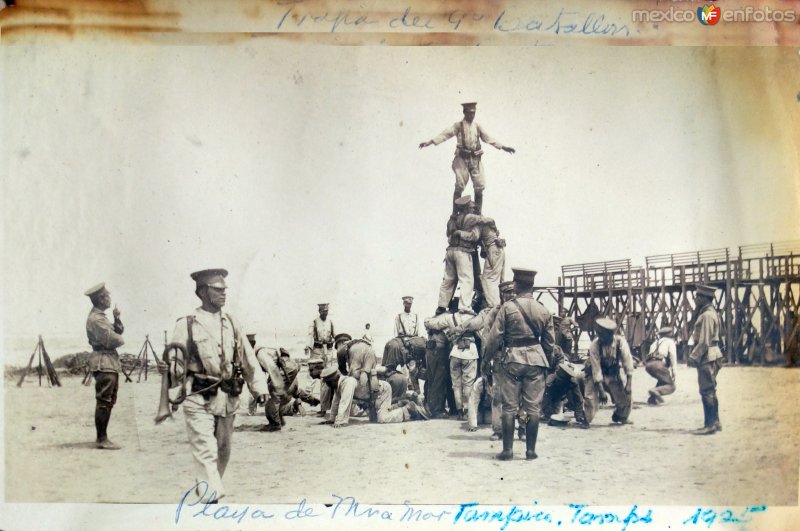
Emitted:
<point x="441" y="327"/>
<point x="519" y="346"/>
<point x="362" y="385"/>
<point x="321" y="334"/>
<point x="462" y="235"/>
<point x="467" y="162"/>
<point x="104" y="360"/>
<point x="706" y="356"/>
<point x="214" y="342"/>
<point x="481" y="325"/>
<point x="608" y="353"/>
<point x="660" y="363"/>
<point x="406" y="324"/>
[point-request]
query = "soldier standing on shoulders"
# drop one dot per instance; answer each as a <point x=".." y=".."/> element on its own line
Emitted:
<point x="104" y="360"/>
<point x="517" y="353"/>
<point x="706" y="357"/>
<point x="462" y="235"/>
<point x="467" y="162"/>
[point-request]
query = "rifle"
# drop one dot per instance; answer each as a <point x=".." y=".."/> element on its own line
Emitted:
<point x="373" y="412"/>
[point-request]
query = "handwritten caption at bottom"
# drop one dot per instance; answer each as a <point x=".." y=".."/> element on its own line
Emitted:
<point x="195" y="505"/>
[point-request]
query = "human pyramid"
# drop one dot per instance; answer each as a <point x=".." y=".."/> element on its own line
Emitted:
<point x="492" y="357"/>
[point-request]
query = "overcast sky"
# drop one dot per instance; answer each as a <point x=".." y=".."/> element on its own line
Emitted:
<point x="297" y="168"/>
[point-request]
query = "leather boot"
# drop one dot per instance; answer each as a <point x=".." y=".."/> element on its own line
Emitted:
<point x="717" y="424"/>
<point x="478" y="201"/>
<point x="456" y="195"/>
<point x="531" y="432"/>
<point x="708" y="424"/>
<point x="102" y="416"/>
<point x="508" y="438"/>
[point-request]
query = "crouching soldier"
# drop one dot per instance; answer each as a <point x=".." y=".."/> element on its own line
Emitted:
<point x="562" y="384"/>
<point x="608" y="353"/>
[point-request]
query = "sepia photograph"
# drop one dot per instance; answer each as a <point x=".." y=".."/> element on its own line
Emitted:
<point x="255" y="270"/>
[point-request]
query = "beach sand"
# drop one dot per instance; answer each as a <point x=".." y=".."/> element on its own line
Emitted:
<point x="50" y="455"/>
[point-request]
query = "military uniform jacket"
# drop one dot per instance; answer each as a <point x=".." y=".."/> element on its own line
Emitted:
<point x="706" y="336"/>
<point x="213" y="334"/>
<point x="362" y="360"/>
<point x="510" y="327"/>
<point x="277" y="379"/>
<point x="104" y="339"/>
<point x="321" y="332"/>
<point x="463" y="231"/>
<point x="406" y="324"/>
<point x="603" y="357"/>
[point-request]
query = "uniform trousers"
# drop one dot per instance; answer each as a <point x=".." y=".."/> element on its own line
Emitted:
<point x="656" y="368"/>
<point x="210" y="440"/>
<point x="475" y="415"/>
<point x="106" y="385"/>
<point x="462" y="374"/>
<point x="521" y="387"/>
<point x="467" y="167"/>
<point x="559" y="386"/>
<point x="438" y="378"/>
<point x="344" y="399"/>
<point x="492" y="275"/>
<point x="457" y="269"/>
<point x="707" y="382"/>
<point x="615" y="386"/>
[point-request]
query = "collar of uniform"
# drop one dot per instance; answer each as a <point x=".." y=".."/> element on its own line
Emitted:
<point x="98" y="311"/>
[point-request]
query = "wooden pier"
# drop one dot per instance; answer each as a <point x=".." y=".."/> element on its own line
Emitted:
<point x="758" y="291"/>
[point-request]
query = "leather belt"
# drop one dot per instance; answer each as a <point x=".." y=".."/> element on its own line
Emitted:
<point x="320" y="345"/>
<point x="522" y="342"/>
<point x="458" y="248"/>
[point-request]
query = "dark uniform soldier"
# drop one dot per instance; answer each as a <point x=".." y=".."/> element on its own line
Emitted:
<point x="519" y="346"/>
<point x="104" y="360"/>
<point x="707" y="357"/>
<point x="563" y="384"/>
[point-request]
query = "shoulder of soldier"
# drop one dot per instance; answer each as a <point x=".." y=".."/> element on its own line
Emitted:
<point x="184" y="317"/>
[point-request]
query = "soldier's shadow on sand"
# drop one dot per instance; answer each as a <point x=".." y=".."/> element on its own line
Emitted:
<point x="469" y="436"/>
<point x="254" y="427"/>
<point x="83" y="445"/>
<point x="674" y="431"/>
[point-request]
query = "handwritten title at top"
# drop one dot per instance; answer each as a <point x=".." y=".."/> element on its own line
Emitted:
<point x="297" y="17"/>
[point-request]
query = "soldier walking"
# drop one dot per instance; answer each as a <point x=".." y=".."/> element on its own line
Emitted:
<point x="219" y="358"/>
